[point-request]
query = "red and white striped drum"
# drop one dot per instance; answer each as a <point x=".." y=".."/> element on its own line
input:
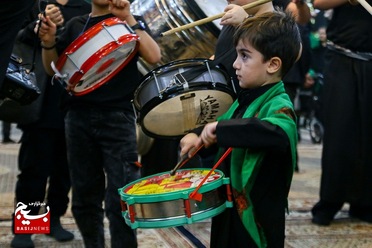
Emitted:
<point x="96" y="56"/>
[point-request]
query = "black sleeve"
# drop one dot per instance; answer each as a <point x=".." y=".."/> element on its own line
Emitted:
<point x="281" y="3"/>
<point x="251" y="133"/>
<point x="26" y="34"/>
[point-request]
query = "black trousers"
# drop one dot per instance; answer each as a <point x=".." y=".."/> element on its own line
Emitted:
<point x="6" y="130"/>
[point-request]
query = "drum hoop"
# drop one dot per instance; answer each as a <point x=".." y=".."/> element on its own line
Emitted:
<point x="176" y="221"/>
<point x="180" y="194"/>
<point x="161" y="68"/>
<point x="91" y="61"/>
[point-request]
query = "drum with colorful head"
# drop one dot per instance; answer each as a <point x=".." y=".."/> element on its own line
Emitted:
<point x="163" y="200"/>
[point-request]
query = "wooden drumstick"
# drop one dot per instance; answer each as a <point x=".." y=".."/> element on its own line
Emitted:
<point x="211" y="18"/>
<point x="366" y="5"/>
<point x="184" y="159"/>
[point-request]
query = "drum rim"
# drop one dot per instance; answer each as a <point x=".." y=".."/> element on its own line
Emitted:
<point x="176" y="195"/>
<point x="161" y="69"/>
<point x="91" y="32"/>
<point x="176" y="221"/>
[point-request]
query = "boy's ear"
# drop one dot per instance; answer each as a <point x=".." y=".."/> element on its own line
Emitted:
<point x="274" y="65"/>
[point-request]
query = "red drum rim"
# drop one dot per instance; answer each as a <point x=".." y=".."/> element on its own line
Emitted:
<point x="101" y="53"/>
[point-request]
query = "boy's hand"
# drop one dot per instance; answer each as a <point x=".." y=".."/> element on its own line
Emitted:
<point x="187" y="143"/>
<point x="208" y="136"/>
<point x="234" y="15"/>
<point x="120" y="8"/>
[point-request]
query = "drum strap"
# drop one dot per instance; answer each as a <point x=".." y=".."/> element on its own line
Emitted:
<point x="190" y="75"/>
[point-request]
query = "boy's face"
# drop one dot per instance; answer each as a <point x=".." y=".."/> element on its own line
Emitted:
<point x="250" y="67"/>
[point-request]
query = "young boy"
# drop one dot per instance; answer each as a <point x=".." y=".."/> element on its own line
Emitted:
<point x="260" y="126"/>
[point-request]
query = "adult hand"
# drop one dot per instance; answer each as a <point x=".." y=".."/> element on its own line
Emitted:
<point x="234" y="15"/>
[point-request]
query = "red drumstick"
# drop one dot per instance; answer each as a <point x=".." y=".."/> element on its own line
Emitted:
<point x="197" y="196"/>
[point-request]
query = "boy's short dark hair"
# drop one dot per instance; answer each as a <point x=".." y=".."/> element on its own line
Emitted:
<point x="274" y="34"/>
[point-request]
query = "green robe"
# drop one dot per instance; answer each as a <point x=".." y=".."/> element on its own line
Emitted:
<point x="273" y="106"/>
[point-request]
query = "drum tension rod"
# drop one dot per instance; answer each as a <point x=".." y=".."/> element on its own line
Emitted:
<point x="105" y="28"/>
<point x="157" y="85"/>
<point x="73" y="62"/>
<point x="210" y="74"/>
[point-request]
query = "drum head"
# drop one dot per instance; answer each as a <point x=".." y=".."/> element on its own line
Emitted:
<point x="176" y="116"/>
<point x="185" y="180"/>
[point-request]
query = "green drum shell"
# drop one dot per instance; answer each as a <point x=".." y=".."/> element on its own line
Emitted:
<point x="169" y="209"/>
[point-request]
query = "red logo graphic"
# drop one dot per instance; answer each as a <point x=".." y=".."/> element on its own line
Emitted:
<point x="32" y="224"/>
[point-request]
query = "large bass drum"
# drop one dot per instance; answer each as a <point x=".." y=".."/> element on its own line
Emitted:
<point x="163" y="15"/>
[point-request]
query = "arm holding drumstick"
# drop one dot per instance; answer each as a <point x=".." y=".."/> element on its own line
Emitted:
<point x="366" y="5"/>
<point x="211" y="18"/>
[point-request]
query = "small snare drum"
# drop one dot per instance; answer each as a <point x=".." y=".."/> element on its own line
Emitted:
<point x="163" y="200"/>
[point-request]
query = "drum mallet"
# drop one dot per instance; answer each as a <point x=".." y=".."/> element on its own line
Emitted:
<point x="366" y="5"/>
<point x="184" y="159"/>
<point x="195" y="194"/>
